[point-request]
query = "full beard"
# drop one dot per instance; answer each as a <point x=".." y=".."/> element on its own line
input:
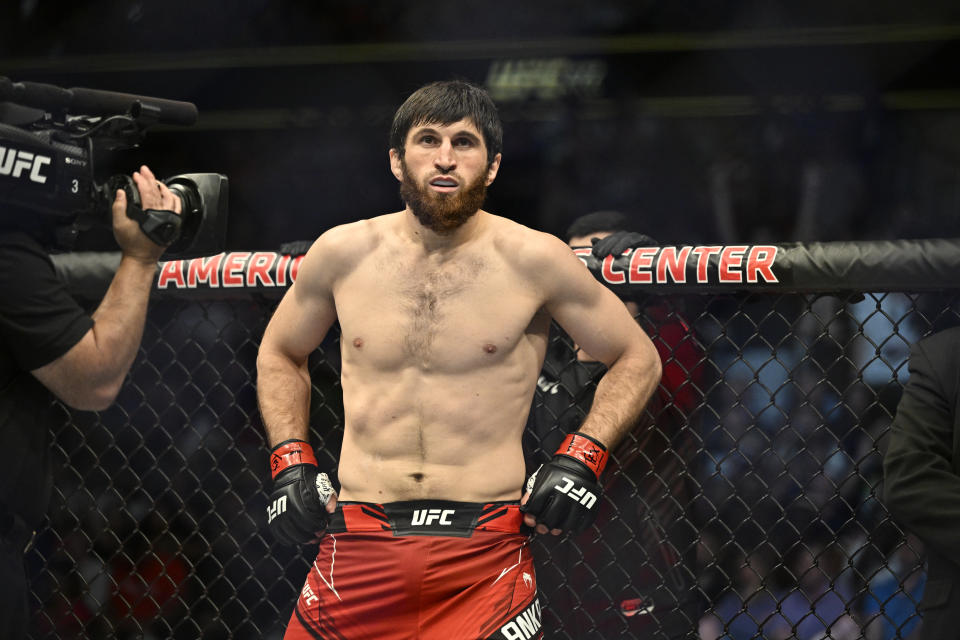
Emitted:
<point x="442" y="213"/>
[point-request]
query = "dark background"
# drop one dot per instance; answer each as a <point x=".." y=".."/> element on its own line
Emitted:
<point x="708" y="121"/>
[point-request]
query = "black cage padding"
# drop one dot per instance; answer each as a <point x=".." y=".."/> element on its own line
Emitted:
<point x="815" y="267"/>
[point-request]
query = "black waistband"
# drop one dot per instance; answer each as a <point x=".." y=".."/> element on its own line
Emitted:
<point x="427" y="517"/>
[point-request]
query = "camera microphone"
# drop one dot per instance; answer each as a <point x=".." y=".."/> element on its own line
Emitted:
<point x="96" y="102"/>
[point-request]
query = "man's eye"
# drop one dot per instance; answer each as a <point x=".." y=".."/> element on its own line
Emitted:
<point x="463" y="142"/>
<point x="428" y="140"/>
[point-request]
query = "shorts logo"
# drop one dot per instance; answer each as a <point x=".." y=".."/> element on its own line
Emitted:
<point x="279" y="506"/>
<point x="580" y="494"/>
<point x="524" y="626"/>
<point x="309" y="597"/>
<point x="426" y="517"/>
<point x="527" y="580"/>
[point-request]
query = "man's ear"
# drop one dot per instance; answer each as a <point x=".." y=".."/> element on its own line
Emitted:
<point x="396" y="158"/>
<point x="492" y="170"/>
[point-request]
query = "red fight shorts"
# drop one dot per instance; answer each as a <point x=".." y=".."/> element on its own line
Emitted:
<point x="425" y="570"/>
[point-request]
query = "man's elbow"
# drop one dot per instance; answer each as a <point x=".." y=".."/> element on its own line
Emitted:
<point x="651" y="360"/>
<point x="267" y="360"/>
<point x="95" y="397"/>
<point x="272" y="360"/>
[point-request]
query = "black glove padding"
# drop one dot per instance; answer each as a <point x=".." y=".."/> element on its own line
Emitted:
<point x="618" y="242"/>
<point x="296" y="247"/>
<point x="564" y="494"/>
<point x="297" y="510"/>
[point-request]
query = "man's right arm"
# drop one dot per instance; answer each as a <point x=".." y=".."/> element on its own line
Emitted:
<point x="301" y="496"/>
<point x="298" y="326"/>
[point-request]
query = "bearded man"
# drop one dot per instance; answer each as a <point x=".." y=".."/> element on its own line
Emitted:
<point x="427" y="535"/>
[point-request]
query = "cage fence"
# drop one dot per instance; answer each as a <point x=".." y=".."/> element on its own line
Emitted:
<point x="744" y="504"/>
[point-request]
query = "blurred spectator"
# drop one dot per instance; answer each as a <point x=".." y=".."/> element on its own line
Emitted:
<point x="890" y="605"/>
<point x="637" y="575"/>
<point x="150" y="577"/>
<point x="820" y="607"/>
<point x="807" y="601"/>
<point x="747" y="604"/>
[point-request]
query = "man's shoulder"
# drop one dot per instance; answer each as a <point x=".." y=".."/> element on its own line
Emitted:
<point x="357" y="231"/>
<point x="340" y="249"/>
<point x="354" y="238"/>
<point x="941" y="346"/>
<point x="525" y="245"/>
<point x="944" y="337"/>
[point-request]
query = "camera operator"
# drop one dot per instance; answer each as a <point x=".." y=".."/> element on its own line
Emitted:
<point x="48" y="344"/>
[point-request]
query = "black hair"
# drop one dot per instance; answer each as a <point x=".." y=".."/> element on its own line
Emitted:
<point x="446" y="102"/>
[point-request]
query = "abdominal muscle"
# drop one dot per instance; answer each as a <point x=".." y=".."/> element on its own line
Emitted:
<point x="414" y="435"/>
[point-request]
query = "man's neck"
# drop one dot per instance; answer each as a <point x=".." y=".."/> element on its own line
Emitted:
<point x="431" y="241"/>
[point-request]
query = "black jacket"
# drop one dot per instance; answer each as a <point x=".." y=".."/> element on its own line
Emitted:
<point x="922" y="474"/>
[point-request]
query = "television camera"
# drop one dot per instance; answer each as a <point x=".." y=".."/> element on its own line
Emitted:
<point x="48" y="139"/>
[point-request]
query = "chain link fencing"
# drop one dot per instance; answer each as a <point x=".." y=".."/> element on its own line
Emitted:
<point x="745" y="504"/>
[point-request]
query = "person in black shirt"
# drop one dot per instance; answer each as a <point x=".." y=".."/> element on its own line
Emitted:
<point x="50" y="347"/>
<point x="634" y="574"/>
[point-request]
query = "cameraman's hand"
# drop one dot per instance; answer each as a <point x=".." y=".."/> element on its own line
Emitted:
<point x="153" y="195"/>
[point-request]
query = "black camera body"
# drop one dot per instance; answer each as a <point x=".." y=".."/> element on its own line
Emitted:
<point x="47" y="165"/>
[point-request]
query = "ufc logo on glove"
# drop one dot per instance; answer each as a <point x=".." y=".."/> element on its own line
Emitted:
<point x="574" y="472"/>
<point x="580" y="494"/>
<point x="279" y="506"/>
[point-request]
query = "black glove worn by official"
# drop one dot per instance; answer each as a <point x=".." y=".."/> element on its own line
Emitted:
<point x="296" y="247"/>
<point x="297" y="511"/>
<point x="565" y="492"/>
<point x="618" y="242"/>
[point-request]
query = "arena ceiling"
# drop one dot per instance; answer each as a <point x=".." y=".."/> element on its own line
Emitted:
<point x="295" y="97"/>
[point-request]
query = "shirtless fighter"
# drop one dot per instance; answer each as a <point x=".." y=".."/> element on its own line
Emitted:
<point x="426" y="538"/>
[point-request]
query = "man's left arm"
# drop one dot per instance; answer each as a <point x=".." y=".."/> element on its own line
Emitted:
<point x="563" y="494"/>
<point x="600" y="324"/>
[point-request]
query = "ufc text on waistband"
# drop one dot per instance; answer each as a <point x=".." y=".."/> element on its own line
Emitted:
<point x="427" y="518"/>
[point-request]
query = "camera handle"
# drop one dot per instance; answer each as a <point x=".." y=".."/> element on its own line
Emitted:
<point x="161" y="226"/>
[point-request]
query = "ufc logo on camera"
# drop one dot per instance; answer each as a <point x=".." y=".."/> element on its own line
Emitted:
<point x="580" y="494"/>
<point x="14" y="162"/>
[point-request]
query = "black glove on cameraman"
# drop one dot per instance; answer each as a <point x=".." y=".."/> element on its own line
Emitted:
<point x="618" y="242"/>
<point x="565" y="492"/>
<point x="297" y="511"/>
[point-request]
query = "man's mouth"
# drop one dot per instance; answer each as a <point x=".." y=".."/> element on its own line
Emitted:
<point x="444" y="184"/>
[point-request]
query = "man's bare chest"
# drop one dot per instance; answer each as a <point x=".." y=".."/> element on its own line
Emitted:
<point x="463" y="313"/>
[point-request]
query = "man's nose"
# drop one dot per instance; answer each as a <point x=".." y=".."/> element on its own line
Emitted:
<point x="444" y="159"/>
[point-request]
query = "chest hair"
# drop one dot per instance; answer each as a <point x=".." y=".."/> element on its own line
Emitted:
<point x="428" y="293"/>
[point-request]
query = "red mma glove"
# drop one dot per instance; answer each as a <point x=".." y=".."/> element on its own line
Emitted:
<point x="297" y="511"/>
<point x="565" y="492"/>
